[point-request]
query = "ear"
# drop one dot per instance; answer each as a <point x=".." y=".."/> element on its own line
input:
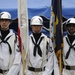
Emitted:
<point x="11" y="21"/>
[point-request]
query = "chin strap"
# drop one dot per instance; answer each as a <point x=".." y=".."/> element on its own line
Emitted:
<point x="69" y="33"/>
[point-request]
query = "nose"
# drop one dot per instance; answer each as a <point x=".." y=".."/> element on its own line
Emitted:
<point x="71" y="26"/>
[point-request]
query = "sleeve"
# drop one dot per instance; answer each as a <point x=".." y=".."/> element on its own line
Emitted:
<point x="51" y="63"/>
<point x="16" y="67"/>
<point x="56" y="67"/>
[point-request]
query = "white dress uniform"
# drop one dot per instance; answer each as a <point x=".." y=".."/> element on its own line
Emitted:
<point x="41" y="64"/>
<point x="68" y="60"/>
<point x="10" y="61"/>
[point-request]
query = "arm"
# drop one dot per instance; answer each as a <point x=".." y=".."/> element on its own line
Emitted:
<point x="15" y="68"/>
<point x="51" y="63"/>
<point x="56" y="67"/>
<point x="55" y="62"/>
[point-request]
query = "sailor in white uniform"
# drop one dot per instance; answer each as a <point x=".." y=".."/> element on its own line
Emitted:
<point x="10" y="55"/>
<point x="40" y="55"/>
<point x="69" y="48"/>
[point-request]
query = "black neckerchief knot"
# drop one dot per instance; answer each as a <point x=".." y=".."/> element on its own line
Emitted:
<point x="37" y="47"/>
<point x="71" y="46"/>
<point x="5" y="41"/>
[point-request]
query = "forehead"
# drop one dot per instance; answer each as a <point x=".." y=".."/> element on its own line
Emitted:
<point x="70" y="25"/>
<point x="37" y="25"/>
<point x="4" y="20"/>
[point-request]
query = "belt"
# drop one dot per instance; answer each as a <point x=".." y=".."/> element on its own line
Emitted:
<point x="36" y="69"/>
<point x="2" y="71"/>
<point x="69" y="67"/>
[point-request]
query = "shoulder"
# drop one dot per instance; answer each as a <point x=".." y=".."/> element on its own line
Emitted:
<point x="31" y="35"/>
<point x="13" y="31"/>
<point x="46" y="37"/>
<point x="13" y="34"/>
<point x="65" y="36"/>
<point x="43" y="35"/>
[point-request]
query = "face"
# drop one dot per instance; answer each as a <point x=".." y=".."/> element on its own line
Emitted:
<point x="4" y="23"/>
<point x="71" y="29"/>
<point x="36" y="29"/>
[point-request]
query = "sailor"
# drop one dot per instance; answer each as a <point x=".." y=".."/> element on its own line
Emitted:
<point x="10" y="55"/>
<point x="40" y="54"/>
<point x="69" y="48"/>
